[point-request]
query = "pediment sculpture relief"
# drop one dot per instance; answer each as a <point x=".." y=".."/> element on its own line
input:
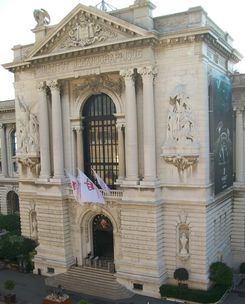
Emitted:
<point x="87" y="31"/>
<point x="181" y="147"/>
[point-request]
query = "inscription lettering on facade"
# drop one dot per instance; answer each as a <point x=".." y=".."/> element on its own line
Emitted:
<point x="83" y="62"/>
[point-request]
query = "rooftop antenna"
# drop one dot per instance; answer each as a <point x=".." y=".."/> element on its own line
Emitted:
<point x="104" y="6"/>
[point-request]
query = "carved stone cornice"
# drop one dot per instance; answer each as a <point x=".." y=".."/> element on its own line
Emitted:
<point x="211" y="40"/>
<point x="67" y="54"/>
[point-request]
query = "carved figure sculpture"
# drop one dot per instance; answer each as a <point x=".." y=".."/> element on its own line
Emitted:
<point x="41" y="16"/>
<point x="34" y="230"/>
<point x="183" y="242"/>
<point x="180" y="123"/>
<point x="28" y="126"/>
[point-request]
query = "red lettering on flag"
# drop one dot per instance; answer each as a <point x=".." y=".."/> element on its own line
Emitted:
<point x="90" y="185"/>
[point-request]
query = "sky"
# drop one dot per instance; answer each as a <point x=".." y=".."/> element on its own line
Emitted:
<point x="17" y="21"/>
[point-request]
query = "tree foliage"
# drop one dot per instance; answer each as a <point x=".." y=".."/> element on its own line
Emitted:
<point x="242" y="268"/>
<point x="181" y="274"/>
<point x="10" y="222"/>
<point x="220" y="274"/>
<point x="12" y="246"/>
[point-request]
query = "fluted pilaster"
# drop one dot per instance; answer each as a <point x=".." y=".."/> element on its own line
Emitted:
<point x="3" y="151"/>
<point x="44" y="131"/>
<point x="80" y="158"/>
<point x="148" y="73"/>
<point x="239" y="144"/>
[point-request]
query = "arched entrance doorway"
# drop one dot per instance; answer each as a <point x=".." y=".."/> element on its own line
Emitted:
<point x="103" y="237"/>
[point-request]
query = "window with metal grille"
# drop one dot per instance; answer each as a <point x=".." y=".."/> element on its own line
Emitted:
<point x="100" y="139"/>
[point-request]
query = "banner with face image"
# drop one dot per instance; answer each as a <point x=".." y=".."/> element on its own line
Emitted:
<point x="221" y="130"/>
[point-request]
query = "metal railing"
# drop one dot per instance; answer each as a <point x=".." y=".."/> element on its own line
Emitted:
<point x="106" y="264"/>
<point x="107" y="195"/>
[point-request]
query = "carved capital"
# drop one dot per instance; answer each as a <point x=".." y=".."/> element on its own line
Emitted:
<point x="238" y="108"/>
<point x="53" y="85"/>
<point x="78" y="129"/>
<point x="128" y="74"/>
<point x="148" y="71"/>
<point x="120" y="125"/>
<point x="41" y="86"/>
<point x="1" y="126"/>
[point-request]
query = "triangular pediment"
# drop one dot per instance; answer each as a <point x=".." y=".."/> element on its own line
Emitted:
<point x="86" y="27"/>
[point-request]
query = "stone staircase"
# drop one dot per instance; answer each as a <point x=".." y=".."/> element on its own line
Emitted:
<point x="90" y="281"/>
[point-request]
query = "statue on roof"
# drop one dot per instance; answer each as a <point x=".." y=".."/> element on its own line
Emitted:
<point x="41" y="16"/>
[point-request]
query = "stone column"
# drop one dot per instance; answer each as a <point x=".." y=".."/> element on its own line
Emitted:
<point x="121" y="150"/>
<point x="239" y="144"/>
<point x="4" y="151"/>
<point x="44" y="131"/>
<point x="80" y="159"/>
<point x="148" y="73"/>
<point x="131" y="150"/>
<point x="58" y="153"/>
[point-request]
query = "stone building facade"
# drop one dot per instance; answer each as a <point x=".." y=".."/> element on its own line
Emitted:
<point x="137" y="99"/>
<point x="9" y="200"/>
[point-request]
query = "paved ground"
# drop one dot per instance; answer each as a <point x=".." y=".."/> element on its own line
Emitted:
<point x="30" y="289"/>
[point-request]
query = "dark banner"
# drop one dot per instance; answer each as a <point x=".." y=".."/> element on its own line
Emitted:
<point x="222" y="126"/>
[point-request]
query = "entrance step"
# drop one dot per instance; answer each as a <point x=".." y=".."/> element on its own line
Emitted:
<point x="90" y="281"/>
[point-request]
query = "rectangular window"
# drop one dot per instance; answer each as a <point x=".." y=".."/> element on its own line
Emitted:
<point x="138" y="286"/>
<point x="50" y="270"/>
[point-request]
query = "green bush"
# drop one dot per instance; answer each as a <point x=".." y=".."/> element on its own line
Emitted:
<point x="181" y="274"/>
<point x="220" y="274"/>
<point x="10" y="222"/>
<point x="242" y="268"/>
<point x="196" y="295"/>
<point x="83" y="302"/>
<point x="9" y="284"/>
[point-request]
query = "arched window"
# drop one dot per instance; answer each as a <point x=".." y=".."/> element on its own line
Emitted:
<point x="13" y="203"/>
<point x="100" y="138"/>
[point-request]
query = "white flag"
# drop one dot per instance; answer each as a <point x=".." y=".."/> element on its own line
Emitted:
<point x="102" y="184"/>
<point x="89" y="191"/>
<point x="75" y="187"/>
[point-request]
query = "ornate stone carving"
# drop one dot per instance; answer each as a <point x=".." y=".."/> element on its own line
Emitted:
<point x="148" y="71"/>
<point x="97" y="83"/>
<point x="183" y="237"/>
<point x="33" y="225"/>
<point x="86" y="31"/>
<point x="128" y="74"/>
<point x="41" y="16"/>
<point x="53" y="85"/>
<point x="28" y="131"/>
<point x="181" y="147"/>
